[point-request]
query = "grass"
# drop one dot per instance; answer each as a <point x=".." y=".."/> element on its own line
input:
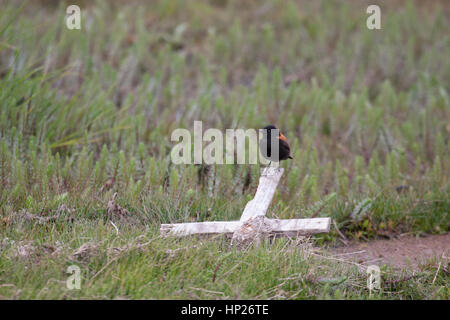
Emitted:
<point x="136" y="264"/>
<point x="85" y="114"/>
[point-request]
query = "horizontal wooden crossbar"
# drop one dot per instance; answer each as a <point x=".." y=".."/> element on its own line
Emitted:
<point x="277" y="226"/>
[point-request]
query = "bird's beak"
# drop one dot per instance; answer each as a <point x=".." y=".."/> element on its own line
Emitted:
<point x="282" y="137"/>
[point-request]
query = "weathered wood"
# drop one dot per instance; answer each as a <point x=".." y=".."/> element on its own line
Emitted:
<point x="251" y="232"/>
<point x="266" y="189"/>
<point x="185" y="229"/>
<point x="306" y="226"/>
<point x="281" y="226"/>
<point x="253" y="222"/>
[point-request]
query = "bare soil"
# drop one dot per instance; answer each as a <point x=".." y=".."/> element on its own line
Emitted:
<point x="401" y="252"/>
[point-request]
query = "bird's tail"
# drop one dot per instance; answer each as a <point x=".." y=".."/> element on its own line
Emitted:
<point x="290" y="157"/>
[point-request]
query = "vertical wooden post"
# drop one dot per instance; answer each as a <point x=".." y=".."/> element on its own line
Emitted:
<point x="253" y="222"/>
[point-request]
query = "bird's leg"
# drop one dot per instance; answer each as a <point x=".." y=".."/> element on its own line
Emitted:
<point x="274" y="167"/>
<point x="272" y="170"/>
<point x="266" y="170"/>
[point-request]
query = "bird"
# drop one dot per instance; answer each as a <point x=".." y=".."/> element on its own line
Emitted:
<point x="284" y="151"/>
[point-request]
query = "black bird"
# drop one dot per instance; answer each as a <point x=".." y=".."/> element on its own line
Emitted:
<point x="284" y="152"/>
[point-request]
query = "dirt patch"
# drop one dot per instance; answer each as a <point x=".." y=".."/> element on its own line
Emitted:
<point x="401" y="252"/>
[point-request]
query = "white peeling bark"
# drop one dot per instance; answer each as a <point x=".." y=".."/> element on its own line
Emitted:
<point x="253" y="218"/>
<point x="266" y="189"/>
<point x="186" y="229"/>
<point x="274" y="226"/>
<point x="253" y="224"/>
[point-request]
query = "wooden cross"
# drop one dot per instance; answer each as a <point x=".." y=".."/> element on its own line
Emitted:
<point x="253" y="223"/>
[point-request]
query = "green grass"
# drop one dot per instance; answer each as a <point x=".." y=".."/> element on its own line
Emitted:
<point x="85" y="114"/>
<point x="136" y="264"/>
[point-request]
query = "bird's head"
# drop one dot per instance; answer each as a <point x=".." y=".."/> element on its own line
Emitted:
<point x="271" y="127"/>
